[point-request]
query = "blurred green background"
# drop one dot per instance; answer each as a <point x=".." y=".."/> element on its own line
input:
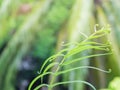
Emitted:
<point x="33" y="30"/>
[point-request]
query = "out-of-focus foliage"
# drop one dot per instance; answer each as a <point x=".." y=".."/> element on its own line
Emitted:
<point x="32" y="30"/>
<point x="45" y="40"/>
<point x="114" y="84"/>
<point x="18" y="45"/>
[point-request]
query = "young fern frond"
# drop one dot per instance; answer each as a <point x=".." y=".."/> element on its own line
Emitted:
<point x="37" y="78"/>
<point x="78" y="50"/>
<point x="64" y="54"/>
<point x="75" y="81"/>
<point x="50" y="66"/>
<point x="66" y="82"/>
<point x="50" y="59"/>
<point x="47" y="68"/>
<point x="82" y="58"/>
<point x="81" y="67"/>
<point x="42" y="85"/>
